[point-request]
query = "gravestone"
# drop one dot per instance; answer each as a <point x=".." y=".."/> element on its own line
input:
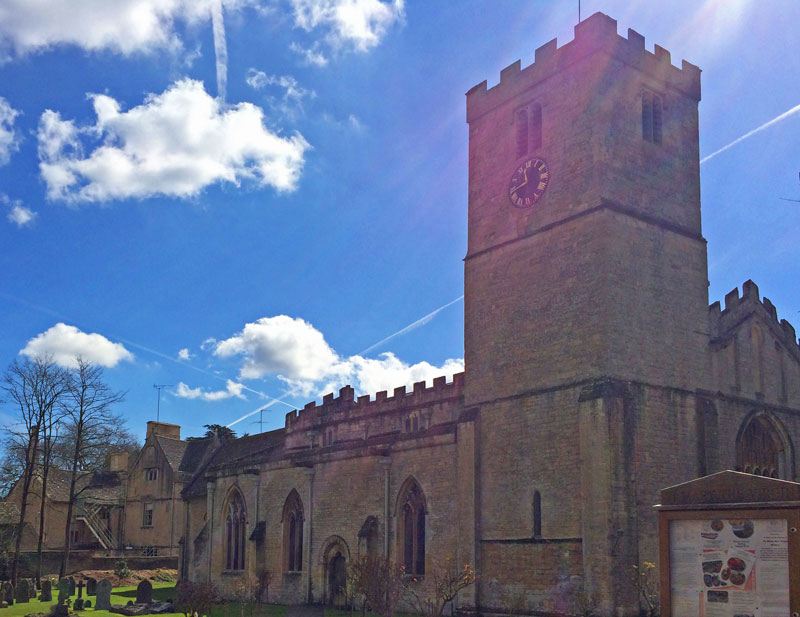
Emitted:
<point x="80" y="588"/>
<point x="23" y="591"/>
<point x="144" y="592"/>
<point x="63" y="591"/>
<point x="8" y="593"/>
<point x="103" y="602"/>
<point x="71" y="582"/>
<point x="47" y="591"/>
<point x="91" y="586"/>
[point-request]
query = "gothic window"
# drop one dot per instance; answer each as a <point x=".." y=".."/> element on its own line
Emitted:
<point x="235" y="525"/>
<point x="151" y="474"/>
<point x="411" y="528"/>
<point x="537" y="514"/>
<point x="760" y="450"/>
<point x="652" y="117"/>
<point x="522" y="132"/>
<point x="293" y="533"/>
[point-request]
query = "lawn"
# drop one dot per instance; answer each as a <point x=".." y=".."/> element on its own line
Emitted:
<point x="161" y="591"/>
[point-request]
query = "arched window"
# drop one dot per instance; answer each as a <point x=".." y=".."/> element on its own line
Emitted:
<point x="235" y="525"/>
<point x="537" y="514"/>
<point x="761" y="450"/>
<point x="411" y="527"/>
<point x="521" y="122"/>
<point x="293" y="532"/>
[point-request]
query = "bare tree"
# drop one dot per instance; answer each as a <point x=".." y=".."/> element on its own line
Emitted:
<point x="88" y="411"/>
<point x="34" y="387"/>
<point x="49" y="437"/>
<point x="379" y="582"/>
<point x="448" y="580"/>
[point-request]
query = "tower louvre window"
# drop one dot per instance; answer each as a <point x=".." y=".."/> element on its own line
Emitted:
<point x="522" y="132"/>
<point x="536" y="126"/>
<point x="652" y="117"/>
<point x="537" y="514"/>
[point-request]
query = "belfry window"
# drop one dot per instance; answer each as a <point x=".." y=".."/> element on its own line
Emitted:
<point x="528" y="125"/>
<point x="652" y="117"/>
<point x="235" y="525"/>
<point x="411" y="528"/>
<point x="293" y="533"/>
<point x="522" y="132"/>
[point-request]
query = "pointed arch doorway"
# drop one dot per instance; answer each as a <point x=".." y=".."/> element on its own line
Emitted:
<point x="336" y="557"/>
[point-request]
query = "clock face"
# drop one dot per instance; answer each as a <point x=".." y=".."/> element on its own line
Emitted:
<point x="528" y="183"/>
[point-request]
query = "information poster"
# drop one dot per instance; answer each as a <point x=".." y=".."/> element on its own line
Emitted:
<point x="729" y="568"/>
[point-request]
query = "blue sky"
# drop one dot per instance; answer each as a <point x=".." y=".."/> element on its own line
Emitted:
<point x="277" y="235"/>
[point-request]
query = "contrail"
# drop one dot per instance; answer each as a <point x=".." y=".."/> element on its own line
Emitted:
<point x="412" y="326"/>
<point x="749" y="134"/>
<point x="220" y="48"/>
<point x="154" y="352"/>
<point x="262" y="408"/>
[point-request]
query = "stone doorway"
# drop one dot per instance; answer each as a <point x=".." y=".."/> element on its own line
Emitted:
<point x="337" y="581"/>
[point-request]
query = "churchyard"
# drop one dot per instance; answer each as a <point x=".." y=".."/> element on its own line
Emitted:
<point x="120" y="596"/>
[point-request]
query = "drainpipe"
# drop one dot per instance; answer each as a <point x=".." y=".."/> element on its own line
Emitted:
<point x="210" y="489"/>
<point x="386" y="462"/>
<point x="310" y="527"/>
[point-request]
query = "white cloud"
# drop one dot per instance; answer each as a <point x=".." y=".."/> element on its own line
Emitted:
<point x="360" y="24"/>
<point x="232" y="390"/>
<point x="64" y="343"/>
<point x="183" y="354"/>
<point x="175" y="143"/>
<point x="20" y="215"/>
<point x="310" y="55"/>
<point x="9" y="141"/>
<point x="285" y="345"/>
<point x="290" y="102"/>
<point x="299" y="355"/>
<point x="122" y="26"/>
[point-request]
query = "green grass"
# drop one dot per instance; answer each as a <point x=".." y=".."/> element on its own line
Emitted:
<point x="161" y="591"/>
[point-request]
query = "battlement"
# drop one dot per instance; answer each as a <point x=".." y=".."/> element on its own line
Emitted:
<point x="346" y="404"/>
<point x="597" y="33"/>
<point x="738" y="307"/>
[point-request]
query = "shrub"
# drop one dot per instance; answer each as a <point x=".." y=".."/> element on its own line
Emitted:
<point x="194" y="598"/>
<point x="121" y="569"/>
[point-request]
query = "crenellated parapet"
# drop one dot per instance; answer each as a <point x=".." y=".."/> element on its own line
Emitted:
<point x="597" y="33"/>
<point x="723" y="321"/>
<point x="347" y="410"/>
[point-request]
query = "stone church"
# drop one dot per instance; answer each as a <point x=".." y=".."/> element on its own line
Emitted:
<point x="596" y="371"/>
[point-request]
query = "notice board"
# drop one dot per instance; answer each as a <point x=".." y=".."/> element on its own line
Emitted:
<point x="729" y="547"/>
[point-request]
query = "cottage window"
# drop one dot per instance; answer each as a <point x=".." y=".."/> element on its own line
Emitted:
<point x="151" y="474"/>
<point x="147" y="514"/>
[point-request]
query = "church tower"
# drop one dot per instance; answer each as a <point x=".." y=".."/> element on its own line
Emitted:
<point x="585" y="254"/>
<point x="586" y="315"/>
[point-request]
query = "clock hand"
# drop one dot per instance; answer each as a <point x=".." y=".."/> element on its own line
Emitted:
<point x="524" y="175"/>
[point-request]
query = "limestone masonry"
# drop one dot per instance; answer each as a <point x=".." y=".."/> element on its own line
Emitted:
<point x="596" y="372"/>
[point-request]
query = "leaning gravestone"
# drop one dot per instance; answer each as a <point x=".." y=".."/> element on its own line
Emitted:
<point x="103" y="602"/>
<point x="47" y="591"/>
<point x="8" y="593"/>
<point x="23" y="592"/>
<point x="91" y="586"/>
<point x="144" y="592"/>
<point x="63" y="591"/>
